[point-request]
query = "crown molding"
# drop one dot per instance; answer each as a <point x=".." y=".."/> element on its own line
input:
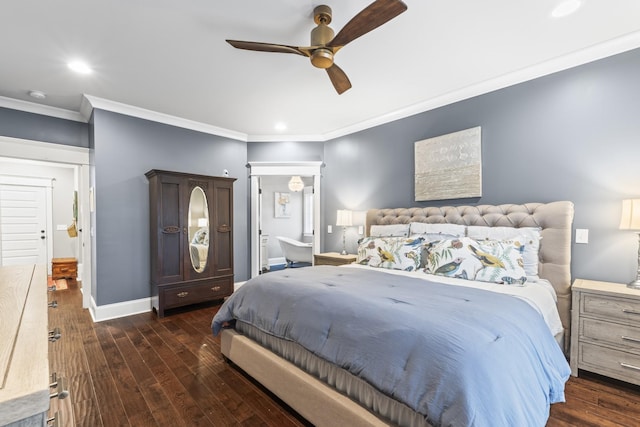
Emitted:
<point x="154" y="116"/>
<point x="593" y="53"/>
<point x="574" y="59"/>
<point x="44" y="110"/>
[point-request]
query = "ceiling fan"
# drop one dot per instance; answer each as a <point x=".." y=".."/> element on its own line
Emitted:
<point x="323" y="43"/>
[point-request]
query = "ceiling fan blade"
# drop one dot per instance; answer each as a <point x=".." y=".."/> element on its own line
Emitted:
<point x="370" y="18"/>
<point x="267" y="47"/>
<point x="339" y="79"/>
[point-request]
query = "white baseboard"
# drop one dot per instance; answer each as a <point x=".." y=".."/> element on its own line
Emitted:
<point x="126" y="308"/>
<point x="119" y="309"/>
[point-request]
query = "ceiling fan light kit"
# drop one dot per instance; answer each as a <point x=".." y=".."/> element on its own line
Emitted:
<point x="324" y="45"/>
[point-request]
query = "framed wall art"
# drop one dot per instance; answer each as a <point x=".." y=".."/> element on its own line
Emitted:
<point x="282" y="205"/>
<point x="449" y="166"/>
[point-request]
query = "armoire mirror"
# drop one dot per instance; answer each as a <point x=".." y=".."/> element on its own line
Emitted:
<point x="198" y="229"/>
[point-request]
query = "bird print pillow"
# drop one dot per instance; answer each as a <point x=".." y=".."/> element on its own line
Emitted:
<point x="497" y="261"/>
<point x="396" y="253"/>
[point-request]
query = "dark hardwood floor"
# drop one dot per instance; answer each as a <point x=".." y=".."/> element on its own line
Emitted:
<point x="144" y="371"/>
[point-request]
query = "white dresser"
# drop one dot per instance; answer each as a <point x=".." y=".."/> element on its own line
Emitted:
<point x="24" y="362"/>
<point x="605" y="330"/>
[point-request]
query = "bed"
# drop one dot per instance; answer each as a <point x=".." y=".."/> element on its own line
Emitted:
<point x="493" y="356"/>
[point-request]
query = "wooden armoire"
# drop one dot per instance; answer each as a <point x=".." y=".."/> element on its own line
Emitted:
<point x="191" y="231"/>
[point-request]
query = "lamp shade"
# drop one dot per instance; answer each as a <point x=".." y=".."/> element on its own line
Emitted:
<point x="296" y="184"/>
<point x="344" y="218"/>
<point x="630" y="218"/>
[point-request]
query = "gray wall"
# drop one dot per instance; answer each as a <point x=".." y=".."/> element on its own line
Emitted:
<point x="568" y="136"/>
<point x="571" y="136"/>
<point x="124" y="149"/>
<point x="18" y="124"/>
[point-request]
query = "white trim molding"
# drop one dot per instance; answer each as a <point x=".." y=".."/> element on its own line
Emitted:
<point x="100" y="313"/>
<point x="43" y="151"/>
<point x="573" y="59"/>
<point x="154" y="116"/>
<point x="44" y="110"/>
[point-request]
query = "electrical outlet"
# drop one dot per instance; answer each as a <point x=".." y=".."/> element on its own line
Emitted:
<point x="329" y="229"/>
<point x="361" y="229"/>
<point x="582" y="235"/>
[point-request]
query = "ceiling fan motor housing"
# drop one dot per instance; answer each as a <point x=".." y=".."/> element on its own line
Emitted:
<point x="322" y="58"/>
<point x="320" y="36"/>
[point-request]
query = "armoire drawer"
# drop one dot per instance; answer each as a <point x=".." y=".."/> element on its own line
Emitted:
<point x="190" y="294"/>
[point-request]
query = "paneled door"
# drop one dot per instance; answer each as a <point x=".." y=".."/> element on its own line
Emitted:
<point x="23" y="225"/>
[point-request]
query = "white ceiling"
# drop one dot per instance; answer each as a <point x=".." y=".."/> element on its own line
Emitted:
<point x="170" y="57"/>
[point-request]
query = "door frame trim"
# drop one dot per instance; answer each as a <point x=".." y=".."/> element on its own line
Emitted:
<point x="79" y="157"/>
<point x="258" y="169"/>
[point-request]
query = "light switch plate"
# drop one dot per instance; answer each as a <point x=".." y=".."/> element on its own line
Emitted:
<point x="582" y="235"/>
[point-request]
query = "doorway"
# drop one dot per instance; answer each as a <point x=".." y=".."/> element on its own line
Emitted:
<point x="258" y="170"/>
<point x="77" y="159"/>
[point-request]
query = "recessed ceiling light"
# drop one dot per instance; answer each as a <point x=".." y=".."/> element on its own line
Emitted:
<point x="280" y="126"/>
<point x="566" y="8"/>
<point x="80" y="67"/>
<point x="37" y="94"/>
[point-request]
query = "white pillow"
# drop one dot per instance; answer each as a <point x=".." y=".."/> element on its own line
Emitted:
<point x="389" y="230"/>
<point x="428" y="228"/>
<point x="530" y="239"/>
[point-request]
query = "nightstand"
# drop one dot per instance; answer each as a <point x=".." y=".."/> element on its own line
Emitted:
<point x="605" y="330"/>
<point x="333" y="258"/>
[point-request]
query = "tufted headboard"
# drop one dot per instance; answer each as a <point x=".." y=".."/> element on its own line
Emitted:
<point x="555" y="219"/>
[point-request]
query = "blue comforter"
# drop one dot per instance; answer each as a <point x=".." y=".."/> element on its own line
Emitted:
<point x="458" y="355"/>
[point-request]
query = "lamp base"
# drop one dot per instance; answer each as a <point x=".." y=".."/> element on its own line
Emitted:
<point x="634" y="285"/>
<point x="344" y="252"/>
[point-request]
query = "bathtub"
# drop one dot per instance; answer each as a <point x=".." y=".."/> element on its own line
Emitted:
<point x="295" y="251"/>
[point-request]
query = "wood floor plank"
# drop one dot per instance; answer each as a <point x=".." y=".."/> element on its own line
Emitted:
<point x="174" y="354"/>
<point x="176" y="395"/>
<point x="144" y="371"/>
<point x="87" y="413"/>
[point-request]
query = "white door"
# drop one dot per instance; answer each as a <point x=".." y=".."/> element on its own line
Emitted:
<point x="23" y="225"/>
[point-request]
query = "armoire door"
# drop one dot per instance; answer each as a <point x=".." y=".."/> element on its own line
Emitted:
<point x="170" y="230"/>
<point x="223" y="227"/>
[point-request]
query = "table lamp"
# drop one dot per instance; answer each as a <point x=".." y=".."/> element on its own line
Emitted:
<point x="630" y="220"/>
<point x="344" y="220"/>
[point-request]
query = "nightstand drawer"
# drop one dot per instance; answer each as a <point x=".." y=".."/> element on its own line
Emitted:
<point x="611" y="307"/>
<point x="617" y="364"/>
<point x="618" y="335"/>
